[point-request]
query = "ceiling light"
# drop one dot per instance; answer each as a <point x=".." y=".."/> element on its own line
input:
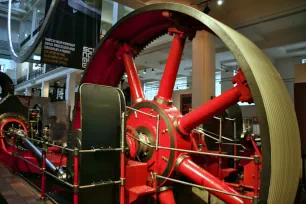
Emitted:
<point x="125" y="75"/>
<point x="38" y="11"/>
<point x="144" y="71"/>
<point x="220" y="2"/>
<point x="26" y="35"/>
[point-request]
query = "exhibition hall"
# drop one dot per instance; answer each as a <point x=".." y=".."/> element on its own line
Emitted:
<point x="152" y="101"/>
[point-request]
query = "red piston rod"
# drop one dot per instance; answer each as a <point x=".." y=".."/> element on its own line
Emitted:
<point x="203" y="113"/>
<point x="201" y="177"/>
<point x="126" y="53"/>
<point x="166" y="196"/>
<point x="173" y="62"/>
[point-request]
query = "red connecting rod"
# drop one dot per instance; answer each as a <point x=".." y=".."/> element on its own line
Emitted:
<point x="198" y="175"/>
<point x="126" y="53"/>
<point x="203" y="113"/>
<point x="173" y="63"/>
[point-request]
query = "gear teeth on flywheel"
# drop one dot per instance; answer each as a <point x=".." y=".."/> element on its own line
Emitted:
<point x="141" y="48"/>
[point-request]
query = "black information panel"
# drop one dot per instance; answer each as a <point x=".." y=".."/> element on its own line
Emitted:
<point x="73" y="35"/>
<point x="101" y="109"/>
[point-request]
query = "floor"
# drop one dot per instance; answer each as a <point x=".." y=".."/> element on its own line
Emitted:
<point x="15" y="190"/>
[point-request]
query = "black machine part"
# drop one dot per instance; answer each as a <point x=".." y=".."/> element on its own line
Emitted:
<point x="6" y="84"/>
<point x="101" y="110"/>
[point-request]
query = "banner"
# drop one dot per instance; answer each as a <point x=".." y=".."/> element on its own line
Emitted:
<point x="73" y="35"/>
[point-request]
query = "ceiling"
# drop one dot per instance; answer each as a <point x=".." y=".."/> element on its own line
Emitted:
<point x="278" y="27"/>
<point x="280" y="36"/>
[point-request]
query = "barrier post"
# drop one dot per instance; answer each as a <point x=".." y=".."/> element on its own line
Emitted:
<point x="256" y="162"/>
<point x="43" y="168"/>
<point x="76" y="176"/>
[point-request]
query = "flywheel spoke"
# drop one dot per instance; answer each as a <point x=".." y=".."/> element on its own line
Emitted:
<point x="126" y="53"/>
<point x="206" y="111"/>
<point x="173" y="62"/>
<point x="202" y="177"/>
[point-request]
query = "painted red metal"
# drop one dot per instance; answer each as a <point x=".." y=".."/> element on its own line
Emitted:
<point x="220" y="162"/>
<point x="126" y="53"/>
<point x="203" y="113"/>
<point x="256" y="176"/>
<point x="243" y="87"/>
<point x="166" y="197"/>
<point x="43" y="175"/>
<point x="173" y="62"/>
<point x="136" y="186"/>
<point x="161" y="159"/>
<point x="198" y="175"/>
<point x="122" y="177"/>
<point x="131" y="143"/>
<point x="76" y="177"/>
<point x="208" y="110"/>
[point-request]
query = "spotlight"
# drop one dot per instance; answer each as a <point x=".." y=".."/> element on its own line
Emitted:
<point x="38" y="11"/>
<point x="206" y="9"/>
<point x="144" y="71"/>
<point x="220" y="2"/>
<point x="125" y="75"/>
<point x="153" y="70"/>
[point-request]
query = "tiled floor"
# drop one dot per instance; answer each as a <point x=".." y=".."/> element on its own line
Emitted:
<point x="15" y="190"/>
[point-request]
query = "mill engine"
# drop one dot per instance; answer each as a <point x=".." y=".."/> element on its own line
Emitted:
<point x="145" y="152"/>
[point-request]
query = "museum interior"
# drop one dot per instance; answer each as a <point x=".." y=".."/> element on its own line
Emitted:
<point x="152" y="101"/>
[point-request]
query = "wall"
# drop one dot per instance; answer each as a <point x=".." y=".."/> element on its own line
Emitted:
<point x="300" y="73"/>
<point x="44" y="102"/>
<point x="8" y="64"/>
<point x="285" y="67"/>
<point x="60" y="109"/>
<point x="3" y="30"/>
<point x="176" y="97"/>
<point x="248" y="111"/>
<point x="22" y="69"/>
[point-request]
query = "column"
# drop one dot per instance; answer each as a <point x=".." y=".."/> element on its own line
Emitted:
<point x="189" y="81"/>
<point x="45" y="89"/>
<point x="44" y="68"/>
<point x="226" y="80"/>
<point x="28" y="91"/>
<point x="118" y="12"/>
<point x="203" y="68"/>
<point x="28" y="72"/>
<point x="70" y="91"/>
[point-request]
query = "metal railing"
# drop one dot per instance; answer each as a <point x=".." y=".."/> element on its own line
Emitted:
<point x="77" y="151"/>
<point x="36" y="73"/>
<point x="22" y="79"/>
<point x="256" y="158"/>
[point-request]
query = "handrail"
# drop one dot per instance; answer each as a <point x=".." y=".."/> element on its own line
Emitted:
<point x="193" y="152"/>
<point x="202" y="187"/>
